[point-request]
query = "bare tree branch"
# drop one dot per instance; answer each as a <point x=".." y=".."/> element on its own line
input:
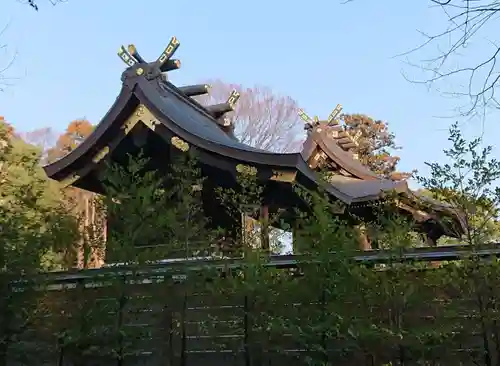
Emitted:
<point x="262" y="119"/>
<point x="455" y="60"/>
<point x="5" y="81"/>
<point x="34" y="3"/>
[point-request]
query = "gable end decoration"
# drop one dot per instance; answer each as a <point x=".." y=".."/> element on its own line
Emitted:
<point x="137" y="66"/>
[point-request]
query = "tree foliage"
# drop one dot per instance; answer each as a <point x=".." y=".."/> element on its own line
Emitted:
<point x="469" y="183"/>
<point x="74" y="135"/>
<point x="169" y="206"/>
<point x="83" y="204"/>
<point x="336" y="311"/>
<point x="376" y="143"/>
<point x="33" y="220"/>
<point x="329" y="309"/>
<point x="43" y="138"/>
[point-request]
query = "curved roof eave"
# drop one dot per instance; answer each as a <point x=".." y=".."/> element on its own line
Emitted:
<point x="444" y="208"/>
<point x="145" y="92"/>
<point x="117" y="109"/>
<point x="350" y="190"/>
<point x="216" y="141"/>
<point x="199" y="129"/>
<point x="331" y="189"/>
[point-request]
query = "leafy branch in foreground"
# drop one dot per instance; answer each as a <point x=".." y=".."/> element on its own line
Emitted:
<point x="468" y="183"/>
<point x="35" y="229"/>
<point x="155" y="215"/>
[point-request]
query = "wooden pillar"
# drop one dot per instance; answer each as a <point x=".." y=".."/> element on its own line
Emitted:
<point x="430" y="241"/>
<point x="295" y="240"/>
<point x="264" y="227"/>
<point x="248" y="225"/>
<point x="431" y="238"/>
<point x="248" y="228"/>
<point x="432" y="231"/>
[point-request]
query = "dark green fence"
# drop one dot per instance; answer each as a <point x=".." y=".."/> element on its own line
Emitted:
<point x="169" y="314"/>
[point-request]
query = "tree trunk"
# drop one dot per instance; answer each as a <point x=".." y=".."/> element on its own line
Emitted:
<point x="264" y="227"/>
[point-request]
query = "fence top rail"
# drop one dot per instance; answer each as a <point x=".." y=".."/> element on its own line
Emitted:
<point x="423" y="254"/>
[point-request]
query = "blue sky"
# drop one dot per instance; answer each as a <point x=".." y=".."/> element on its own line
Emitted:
<point x="319" y="52"/>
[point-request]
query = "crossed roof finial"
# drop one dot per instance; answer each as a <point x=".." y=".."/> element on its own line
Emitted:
<point x="138" y="66"/>
<point x="345" y="139"/>
<point x="313" y="122"/>
<point x="131" y="57"/>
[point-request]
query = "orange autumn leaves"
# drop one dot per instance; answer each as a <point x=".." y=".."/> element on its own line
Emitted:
<point x="77" y="131"/>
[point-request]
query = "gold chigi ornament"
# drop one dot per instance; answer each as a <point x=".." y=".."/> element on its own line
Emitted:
<point x="179" y="143"/>
<point x="344" y="138"/>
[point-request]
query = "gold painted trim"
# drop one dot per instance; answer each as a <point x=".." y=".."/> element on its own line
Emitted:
<point x="283" y="176"/>
<point x="150" y="122"/>
<point x="246" y="169"/>
<point x="139" y="110"/>
<point x="339" y="209"/>
<point x="129" y="125"/>
<point x="233" y="98"/>
<point x="140" y="114"/>
<point x="101" y="154"/>
<point x="179" y="143"/>
<point x="70" y="179"/>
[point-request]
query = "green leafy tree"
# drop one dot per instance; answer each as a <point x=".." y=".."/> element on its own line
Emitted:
<point x="33" y="219"/>
<point x="376" y="144"/>
<point x="468" y="183"/>
<point x="159" y="214"/>
<point x="84" y="205"/>
<point x="34" y="229"/>
<point x="152" y="216"/>
<point x="329" y="309"/>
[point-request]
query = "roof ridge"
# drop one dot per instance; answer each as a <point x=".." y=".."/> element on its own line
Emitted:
<point x="158" y="70"/>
